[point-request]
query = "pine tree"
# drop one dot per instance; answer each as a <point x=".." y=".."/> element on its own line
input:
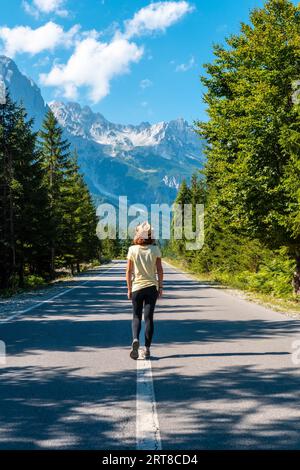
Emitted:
<point x="57" y="165"/>
<point x="89" y="247"/>
<point x="30" y="201"/>
<point x="184" y="196"/>
<point x="79" y="241"/>
<point x="23" y="202"/>
<point x="72" y="221"/>
<point x="8" y="113"/>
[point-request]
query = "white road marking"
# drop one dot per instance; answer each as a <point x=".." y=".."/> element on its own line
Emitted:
<point x="68" y="289"/>
<point x="147" y="425"/>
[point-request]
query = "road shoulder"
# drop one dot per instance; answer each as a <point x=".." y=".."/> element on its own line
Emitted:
<point x="28" y="300"/>
<point x="277" y="305"/>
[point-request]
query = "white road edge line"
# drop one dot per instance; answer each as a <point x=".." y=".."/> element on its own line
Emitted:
<point x="68" y="289"/>
<point x="147" y="424"/>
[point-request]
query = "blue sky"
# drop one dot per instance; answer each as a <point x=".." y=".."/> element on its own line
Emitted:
<point x="131" y="60"/>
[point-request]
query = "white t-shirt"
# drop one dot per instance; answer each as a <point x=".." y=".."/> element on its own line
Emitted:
<point x="144" y="261"/>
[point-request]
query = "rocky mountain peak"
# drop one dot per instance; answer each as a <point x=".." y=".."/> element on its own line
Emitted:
<point x="145" y="161"/>
<point x="23" y="89"/>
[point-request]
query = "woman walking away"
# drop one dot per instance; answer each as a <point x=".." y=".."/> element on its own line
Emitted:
<point x="144" y="262"/>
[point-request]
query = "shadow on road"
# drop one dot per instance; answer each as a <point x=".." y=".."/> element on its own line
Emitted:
<point x="58" y="408"/>
<point x="219" y="410"/>
<point x="39" y="404"/>
<point x="238" y="354"/>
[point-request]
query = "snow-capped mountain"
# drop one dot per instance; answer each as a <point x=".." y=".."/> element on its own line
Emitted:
<point x="150" y="160"/>
<point x="167" y="139"/>
<point x="146" y="162"/>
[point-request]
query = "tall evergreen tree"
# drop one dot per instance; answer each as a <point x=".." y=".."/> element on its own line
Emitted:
<point x="72" y="221"/>
<point x="57" y="166"/>
<point x="8" y="118"/>
<point x="184" y="196"/>
<point x="30" y="201"/>
<point x="79" y="242"/>
<point x="23" y="202"/>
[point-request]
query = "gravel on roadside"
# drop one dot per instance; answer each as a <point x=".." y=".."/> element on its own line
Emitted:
<point x="19" y="302"/>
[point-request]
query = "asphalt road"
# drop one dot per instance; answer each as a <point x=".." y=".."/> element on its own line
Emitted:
<point x="222" y="369"/>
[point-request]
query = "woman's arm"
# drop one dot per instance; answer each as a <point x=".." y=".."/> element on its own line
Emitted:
<point x="160" y="274"/>
<point x="129" y="271"/>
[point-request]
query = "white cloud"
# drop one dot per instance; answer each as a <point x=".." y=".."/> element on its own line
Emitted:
<point x="93" y="64"/>
<point x="156" y="17"/>
<point x="146" y="83"/>
<point x="30" y="9"/>
<point x="45" y="6"/>
<point x="185" y="67"/>
<point x="24" y="39"/>
<point x="48" y="6"/>
<point x="42" y="62"/>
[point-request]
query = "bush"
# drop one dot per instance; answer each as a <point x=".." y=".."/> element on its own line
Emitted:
<point x="274" y="276"/>
<point x="32" y="281"/>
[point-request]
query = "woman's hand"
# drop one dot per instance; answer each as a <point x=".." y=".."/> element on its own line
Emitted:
<point x="160" y="292"/>
<point x="129" y="294"/>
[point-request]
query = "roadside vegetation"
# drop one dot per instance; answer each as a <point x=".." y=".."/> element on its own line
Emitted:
<point x="251" y="182"/>
<point x="47" y="217"/>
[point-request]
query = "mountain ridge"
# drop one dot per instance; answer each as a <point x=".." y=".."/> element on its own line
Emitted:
<point x="145" y="161"/>
<point x="31" y="95"/>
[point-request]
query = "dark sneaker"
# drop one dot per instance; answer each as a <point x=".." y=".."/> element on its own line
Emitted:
<point x="134" y="353"/>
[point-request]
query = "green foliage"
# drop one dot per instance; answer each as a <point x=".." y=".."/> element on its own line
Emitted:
<point x="252" y="174"/>
<point x="72" y="221"/>
<point x="187" y="195"/>
<point x="23" y="198"/>
<point x="32" y="281"/>
<point x="253" y="131"/>
<point x="273" y="276"/>
<point x="47" y="217"/>
<point x="115" y="248"/>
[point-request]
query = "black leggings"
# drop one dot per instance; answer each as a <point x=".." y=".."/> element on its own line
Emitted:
<point x="144" y="298"/>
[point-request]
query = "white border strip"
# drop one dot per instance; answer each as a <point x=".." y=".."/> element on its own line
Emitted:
<point x="68" y="289"/>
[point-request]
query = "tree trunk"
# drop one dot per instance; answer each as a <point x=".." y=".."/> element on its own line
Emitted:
<point x="21" y="274"/>
<point x="78" y="267"/>
<point x="11" y="213"/>
<point x="52" y="267"/>
<point x="296" y="276"/>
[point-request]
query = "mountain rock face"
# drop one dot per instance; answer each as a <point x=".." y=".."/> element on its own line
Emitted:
<point x="167" y="139"/>
<point x="146" y="162"/>
<point x="23" y="89"/>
